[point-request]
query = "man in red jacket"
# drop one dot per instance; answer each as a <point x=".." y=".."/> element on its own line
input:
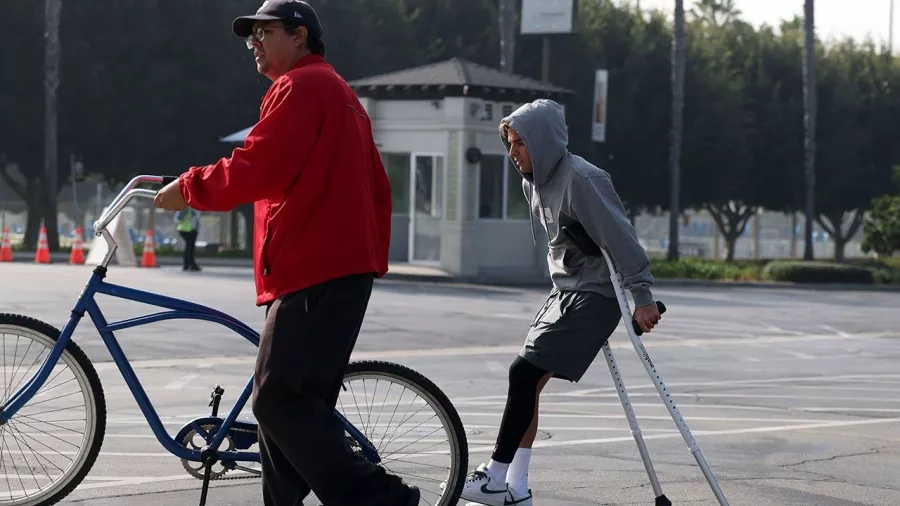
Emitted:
<point x="321" y="235"/>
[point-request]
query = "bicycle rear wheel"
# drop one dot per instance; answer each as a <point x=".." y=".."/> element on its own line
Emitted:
<point x="52" y="442"/>
<point x="415" y="428"/>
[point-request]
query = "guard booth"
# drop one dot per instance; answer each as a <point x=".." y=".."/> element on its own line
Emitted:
<point x="458" y="203"/>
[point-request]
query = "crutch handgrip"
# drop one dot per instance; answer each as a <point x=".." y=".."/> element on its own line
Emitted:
<point x="637" y="328"/>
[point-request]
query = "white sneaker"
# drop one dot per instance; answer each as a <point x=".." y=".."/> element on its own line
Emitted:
<point x="482" y="488"/>
<point x="512" y="498"/>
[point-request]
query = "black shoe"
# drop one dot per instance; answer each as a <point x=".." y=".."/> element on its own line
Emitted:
<point x="410" y="494"/>
<point x="414" y="495"/>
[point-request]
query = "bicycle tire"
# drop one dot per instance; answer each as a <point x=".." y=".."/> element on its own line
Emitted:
<point x="452" y="420"/>
<point x="94" y="441"/>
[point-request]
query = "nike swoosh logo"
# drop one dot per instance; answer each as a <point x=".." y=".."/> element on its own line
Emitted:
<point x="485" y="490"/>
<point x="506" y="502"/>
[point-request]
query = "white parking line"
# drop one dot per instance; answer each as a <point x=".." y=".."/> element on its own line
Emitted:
<point x="495" y="366"/>
<point x="730" y="432"/>
<point x="618" y="342"/>
<point x="181" y="382"/>
<point x="836" y="331"/>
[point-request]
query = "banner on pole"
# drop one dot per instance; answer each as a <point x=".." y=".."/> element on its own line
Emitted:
<point x="601" y="82"/>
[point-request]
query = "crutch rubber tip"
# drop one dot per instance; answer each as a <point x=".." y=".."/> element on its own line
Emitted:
<point x="637" y="328"/>
<point x="663" y="501"/>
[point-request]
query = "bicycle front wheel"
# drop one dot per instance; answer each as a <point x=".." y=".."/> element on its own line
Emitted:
<point x="52" y="442"/>
<point x="414" y="427"/>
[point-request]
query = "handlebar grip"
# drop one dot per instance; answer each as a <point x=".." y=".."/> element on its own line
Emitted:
<point x="167" y="180"/>
<point x="637" y="328"/>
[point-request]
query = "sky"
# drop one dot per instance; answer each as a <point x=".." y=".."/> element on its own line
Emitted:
<point x="834" y="18"/>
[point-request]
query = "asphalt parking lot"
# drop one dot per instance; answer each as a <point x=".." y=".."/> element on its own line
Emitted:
<point x="792" y="395"/>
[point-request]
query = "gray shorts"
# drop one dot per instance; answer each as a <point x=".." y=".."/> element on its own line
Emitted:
<point x="568" y="332"/>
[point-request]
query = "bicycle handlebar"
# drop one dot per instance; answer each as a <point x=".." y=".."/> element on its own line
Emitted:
<point x="122" y="199"/>
<point x="125" y="196"/>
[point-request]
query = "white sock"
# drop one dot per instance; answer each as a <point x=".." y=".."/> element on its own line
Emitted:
<point x="517" y="475"/>
<point x="497" y="470"/>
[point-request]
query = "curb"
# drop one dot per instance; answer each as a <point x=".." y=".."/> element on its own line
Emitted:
<point x="526" y="282"/>
<point x="545" y="283"/>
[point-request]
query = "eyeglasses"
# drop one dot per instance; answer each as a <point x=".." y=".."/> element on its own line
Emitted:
<point x="258" y="35"/>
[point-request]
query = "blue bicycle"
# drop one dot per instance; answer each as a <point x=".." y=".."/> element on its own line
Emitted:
<point x="53" y="415"/>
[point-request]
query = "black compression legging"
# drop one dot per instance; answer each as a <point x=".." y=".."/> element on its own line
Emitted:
<point x="520" y="406"/>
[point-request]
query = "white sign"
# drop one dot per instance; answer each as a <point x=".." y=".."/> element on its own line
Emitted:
<point x="547" y="16"/>
<point x="601" y="85"/>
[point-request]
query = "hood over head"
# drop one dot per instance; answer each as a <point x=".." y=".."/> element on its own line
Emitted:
<point x="542" y="126"/>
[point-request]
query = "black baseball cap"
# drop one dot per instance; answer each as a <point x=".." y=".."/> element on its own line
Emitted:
<point x="291" y="12"/>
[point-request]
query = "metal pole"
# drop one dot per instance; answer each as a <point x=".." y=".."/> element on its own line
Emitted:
<point x="545" y="60"/>
<point x="891" y="30"/>
<point x="507" y="35"/>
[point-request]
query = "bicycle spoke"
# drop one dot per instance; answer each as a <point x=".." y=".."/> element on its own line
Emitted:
<point x="48" y="439"/>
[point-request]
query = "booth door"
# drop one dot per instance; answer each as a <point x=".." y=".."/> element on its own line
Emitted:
<point x="426" y="208"/>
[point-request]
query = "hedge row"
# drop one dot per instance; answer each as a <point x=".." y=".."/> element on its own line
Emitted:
<point x="792" y="271"/>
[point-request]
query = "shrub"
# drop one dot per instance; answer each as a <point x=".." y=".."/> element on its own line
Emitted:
<point x="881" y="228"/>
<point x="695" y="268"/>
<point x="818" y="272"/>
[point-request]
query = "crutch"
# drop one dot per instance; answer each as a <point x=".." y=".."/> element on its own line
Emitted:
<point x="661" y="499"/>
<point x="634" y="331"/>
<point x="577" y="235"/>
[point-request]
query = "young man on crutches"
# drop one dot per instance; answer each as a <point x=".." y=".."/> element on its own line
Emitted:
<point x="582" y="310"/>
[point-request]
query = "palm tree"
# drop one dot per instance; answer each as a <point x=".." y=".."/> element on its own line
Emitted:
<point x="52" y="14"/>
<point x="716" y="12"/>
<point x="809" y="118"/>
<point x="678" y="62"/>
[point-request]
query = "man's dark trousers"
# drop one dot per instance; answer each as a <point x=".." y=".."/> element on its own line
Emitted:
<point x="303" y="351"/>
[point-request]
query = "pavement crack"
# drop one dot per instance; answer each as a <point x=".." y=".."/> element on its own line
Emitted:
<point x="871" y="451"/>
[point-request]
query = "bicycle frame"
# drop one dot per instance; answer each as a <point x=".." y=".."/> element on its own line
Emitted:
<point x="177" y="309"/>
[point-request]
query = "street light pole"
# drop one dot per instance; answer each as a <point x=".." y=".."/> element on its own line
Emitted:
<point x="891" y="30"/>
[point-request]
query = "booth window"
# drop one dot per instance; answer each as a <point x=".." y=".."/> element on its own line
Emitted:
<point x="397" y="167"/>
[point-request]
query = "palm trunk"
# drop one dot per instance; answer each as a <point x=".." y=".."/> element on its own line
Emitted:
<point x="809" y="119"/>
<point x="678" y="63"/>
<point x="52" y="12"/>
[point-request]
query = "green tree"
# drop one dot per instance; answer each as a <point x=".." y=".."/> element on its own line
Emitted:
<point x="855" y="126"/>
<point x="22" y="115"/>
<point x="881" y="228"/>
<point x="719" y="173"/>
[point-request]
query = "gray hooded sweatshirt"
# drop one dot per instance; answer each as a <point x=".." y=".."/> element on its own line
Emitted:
<point x="565" y="190"/>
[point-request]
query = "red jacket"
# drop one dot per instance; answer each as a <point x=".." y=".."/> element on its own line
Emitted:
<point x="322" y="200"/>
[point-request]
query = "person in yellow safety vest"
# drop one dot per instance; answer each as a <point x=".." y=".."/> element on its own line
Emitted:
<point x="187" y="222"/>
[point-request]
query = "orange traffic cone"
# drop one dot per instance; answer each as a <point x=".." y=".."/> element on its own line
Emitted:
<point x="77" y="256"/>
<point x="6" y="254"/>
<point x="148" y="259"/>
<point x="43" y="251"/>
